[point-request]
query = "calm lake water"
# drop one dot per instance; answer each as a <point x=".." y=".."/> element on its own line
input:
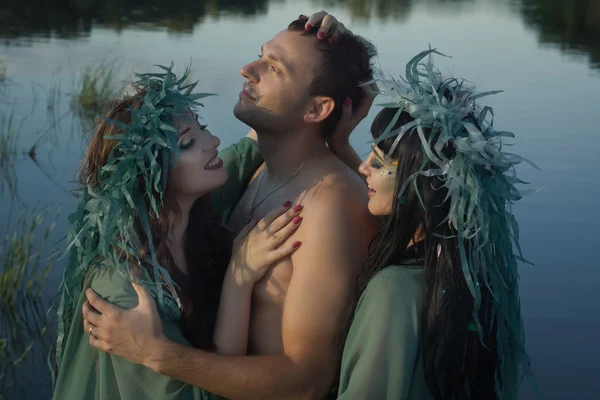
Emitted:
<point x="545" y="54"/>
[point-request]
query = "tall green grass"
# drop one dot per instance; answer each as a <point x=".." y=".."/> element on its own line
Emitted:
<point x="24" y="266"/>
<point x="2" y="70"/>
<point x="8" y="156"/>
<point x="97" y="87"/>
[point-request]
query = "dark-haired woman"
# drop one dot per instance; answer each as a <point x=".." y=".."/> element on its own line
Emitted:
<point x="438" y="315"/>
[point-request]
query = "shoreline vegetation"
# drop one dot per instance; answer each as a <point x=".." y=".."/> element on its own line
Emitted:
<point x="26" y="253"/>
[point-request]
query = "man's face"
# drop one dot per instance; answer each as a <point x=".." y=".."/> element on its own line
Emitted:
<point x="275" y="94"/>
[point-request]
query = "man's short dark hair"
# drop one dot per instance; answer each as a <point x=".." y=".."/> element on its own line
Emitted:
<point x="345" y="63"/>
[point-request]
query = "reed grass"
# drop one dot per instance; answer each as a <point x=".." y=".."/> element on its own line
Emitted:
<point x="8" y="156"/>
<point x="98" y="86"/>
<point x="24" y="266"/>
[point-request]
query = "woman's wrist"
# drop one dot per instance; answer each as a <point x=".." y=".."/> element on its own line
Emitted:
<point x="238" y="276"/>
<point x="340" y="146"/>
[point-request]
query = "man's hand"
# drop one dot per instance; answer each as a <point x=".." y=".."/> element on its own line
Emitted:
<point x="131" y="334"/>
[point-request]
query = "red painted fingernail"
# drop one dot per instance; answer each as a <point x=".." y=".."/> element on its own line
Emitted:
<point x="307" y="27"/>
<point x="298" y="208"/>
<point x="320" y="35"/>
<point x="347" y="101"/>
<point x="296" y="244"/>
<point x="297" y="220"/>
<point x="287" y="204"/>
<point x="302" y="16"/>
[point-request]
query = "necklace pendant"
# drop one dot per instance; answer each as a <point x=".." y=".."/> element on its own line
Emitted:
<point x="255" y="205"/>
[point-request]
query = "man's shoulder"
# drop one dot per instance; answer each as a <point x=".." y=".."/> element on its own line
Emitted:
<point x="336" y="196"/>
<point x="334" y="181"/>
<point x="341" y="201"/>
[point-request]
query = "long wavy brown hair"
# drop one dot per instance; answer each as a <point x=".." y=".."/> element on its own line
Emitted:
<point x="207" y="244"/>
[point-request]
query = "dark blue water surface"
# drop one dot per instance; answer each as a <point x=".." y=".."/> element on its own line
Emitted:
<point x="545" y="54"/>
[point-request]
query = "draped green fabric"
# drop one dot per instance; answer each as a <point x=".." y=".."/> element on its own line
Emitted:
<point x="88" y="373"/>
<point x="382" y="358"/>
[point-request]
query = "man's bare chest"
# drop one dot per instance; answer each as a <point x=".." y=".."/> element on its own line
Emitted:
<point x="271" y="289"/>
<point x="257" y="204"/>
<point x="241" y="212"/>
<point x="269" y="293"/>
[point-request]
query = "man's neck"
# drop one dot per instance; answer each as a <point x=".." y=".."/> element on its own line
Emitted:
<point x="285" y="154"/>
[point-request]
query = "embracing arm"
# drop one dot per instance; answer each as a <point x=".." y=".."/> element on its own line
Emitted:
<point x="339" y="141"/>
<point x="234" y="377"/>
<point x="91" y="373"/>
<point x="346" y="153"/>
<point x="233" y="317"/>
<point x="315" y="309"/>
<point x="334" y="238"/>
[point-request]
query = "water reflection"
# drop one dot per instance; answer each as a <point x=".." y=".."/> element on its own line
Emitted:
<point x="73" y="19"/>
<point x="396" y="10"/>
<point x="573" y="25"/>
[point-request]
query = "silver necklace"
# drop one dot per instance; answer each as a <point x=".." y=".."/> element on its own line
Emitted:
<point x="262" y="177"/>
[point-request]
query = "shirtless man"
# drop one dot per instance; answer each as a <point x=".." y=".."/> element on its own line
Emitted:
<point x="292" y="98"/>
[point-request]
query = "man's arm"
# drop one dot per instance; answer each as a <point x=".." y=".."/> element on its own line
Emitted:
<point x="137" y="335"/>
<point x="233" y="377"/>
<point x="334" y="235"/>
<point x="322" y="289"/>
<point x="315" y="311"/>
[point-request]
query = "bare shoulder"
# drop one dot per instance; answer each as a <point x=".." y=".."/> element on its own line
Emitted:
<point x="337" y="204"/>
<point x="337" y="188"/>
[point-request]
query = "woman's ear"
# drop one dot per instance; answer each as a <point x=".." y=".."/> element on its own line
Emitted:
<point x="320" y="110"/>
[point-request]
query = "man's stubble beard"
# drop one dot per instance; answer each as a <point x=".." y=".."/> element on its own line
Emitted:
<point x="263" y="121"/>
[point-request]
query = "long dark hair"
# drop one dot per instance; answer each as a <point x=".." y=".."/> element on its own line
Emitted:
<point x="456" y="363"/>
<point x="207" y="245"/>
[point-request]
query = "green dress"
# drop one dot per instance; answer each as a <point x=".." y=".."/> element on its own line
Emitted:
<point x="382" y="358"/>
<point x="87" y="373"/>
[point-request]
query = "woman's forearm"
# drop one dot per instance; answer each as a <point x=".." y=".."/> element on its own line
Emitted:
<point x="233" y="317"/>
<point x="348" y="155"/>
